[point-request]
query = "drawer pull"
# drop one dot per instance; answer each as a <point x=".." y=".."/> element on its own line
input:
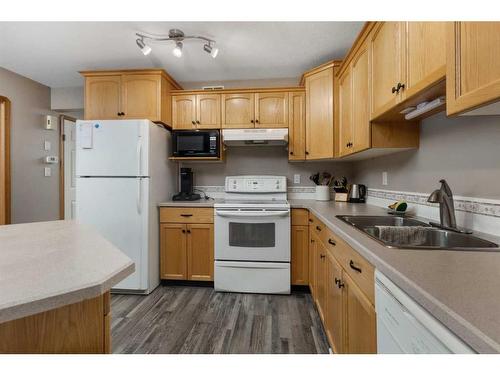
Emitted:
<point x="189" y="231"/>
<point x="183" y="231"/>
<point x="318" y="228"/>
<point x="186" y="215"/>
<point x="331" y="242"/>
<point x="357" y="269"/>
<point x="322" y="256"/>
<point x="337" y="281"/>
<point x="340" y="284"/>
<point x="311" y="220"/>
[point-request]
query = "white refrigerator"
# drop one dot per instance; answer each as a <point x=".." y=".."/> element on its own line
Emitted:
<point x="123" y="172"/>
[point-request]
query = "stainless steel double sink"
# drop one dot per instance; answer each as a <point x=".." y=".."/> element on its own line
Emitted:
<point x="409" y="233"/>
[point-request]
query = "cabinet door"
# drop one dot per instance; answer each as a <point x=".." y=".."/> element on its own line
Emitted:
<point x="425" y="54"/>
<point x="319" y="115"/>
<point x="300" y="255"/>
<point x="102" y="97"/>
<point x="173" y="260"/>
<point x="360" y="320"/>
<point x="184" y="111"/>
<point x="297" y="126"/>
<point x="208" y="111"/>
<point x="313" y="241"/>
<point x="271" y="110"/>
<point x="320" y="269"/>
<point x="238" y="110"/>
<point x="200" y="252"/>
<point x="141" y="96"/>
<point x="334" y="323"/>
<point x="473" y="66"/>
<point x="361" y="138"/>
<point x="386" y="72"/>
<point x="345" y="116"/>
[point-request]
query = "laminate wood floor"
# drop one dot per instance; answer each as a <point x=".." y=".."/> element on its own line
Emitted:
<point x="188" y="319"/>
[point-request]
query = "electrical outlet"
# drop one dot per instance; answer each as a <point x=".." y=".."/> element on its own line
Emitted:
<point x="384" y="178"/>
<point x="296" y="178"/>
<point x="47" y="172"/>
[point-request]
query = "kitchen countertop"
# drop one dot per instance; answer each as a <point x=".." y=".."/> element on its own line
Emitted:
<point x="51" y="264"/>
<point x="459" y="288"/>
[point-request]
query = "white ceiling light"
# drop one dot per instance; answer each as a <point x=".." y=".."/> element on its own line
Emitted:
<point x="178" y="37"/>
<point x="145" y="49"/>
<point x="177" y="51"/>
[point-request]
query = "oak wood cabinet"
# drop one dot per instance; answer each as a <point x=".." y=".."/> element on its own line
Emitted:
<point x="271" y="110"/>
<point x="320" y="293"/>
<point x="296" y="126"/>
<point x="473" y="68"/>
<point x="129" y="94"/>
<point x="334" y="320"/>
<point x="299" y="247"/>
<point x="345" y="116"/>
<point x="238" y="110"/>
<point x="202" y="111"/>
<point x="313" y="242"/>
<point x="186" y="248"/>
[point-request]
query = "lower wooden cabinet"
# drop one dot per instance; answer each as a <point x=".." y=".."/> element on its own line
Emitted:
<point x="334" y="326"/>
<point x="186" y="249"/>
<point x="300" y="254"/>
<point x="320" y="282"/>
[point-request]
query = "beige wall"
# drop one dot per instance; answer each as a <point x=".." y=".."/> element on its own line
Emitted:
<point x="463" y="150"/>
<point x="34" y="197"/>
<point x="263" y="161"/>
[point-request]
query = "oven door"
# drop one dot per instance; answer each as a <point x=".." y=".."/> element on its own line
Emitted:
<point x="252" y="235"/>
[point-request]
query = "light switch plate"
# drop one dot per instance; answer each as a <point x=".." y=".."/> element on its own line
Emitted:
<point x="384" y="178"/>
<point x="47" y="172"/>
<point x="296" y="178"/>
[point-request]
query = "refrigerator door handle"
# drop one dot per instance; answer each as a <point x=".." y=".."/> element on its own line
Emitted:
<point x="139" y="196"/>
<point x="139" y="157"/>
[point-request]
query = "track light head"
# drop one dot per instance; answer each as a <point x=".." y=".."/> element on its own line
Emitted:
<point x="177" y="51"/>
<point x="145" y="49"/>
<point x="213" y="51"/>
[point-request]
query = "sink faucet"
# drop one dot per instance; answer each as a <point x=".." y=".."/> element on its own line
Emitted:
<point x="444" y="197"/>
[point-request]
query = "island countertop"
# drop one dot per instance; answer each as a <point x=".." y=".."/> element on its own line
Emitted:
<point x="51" y="264"/>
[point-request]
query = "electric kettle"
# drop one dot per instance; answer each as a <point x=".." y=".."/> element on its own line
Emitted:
<point x="357" y="193"/>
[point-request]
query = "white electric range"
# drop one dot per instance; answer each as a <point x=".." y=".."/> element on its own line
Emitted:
<point x="252" y="236"/>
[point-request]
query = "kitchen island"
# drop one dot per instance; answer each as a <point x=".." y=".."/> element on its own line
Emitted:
<point x="55" y="279"/>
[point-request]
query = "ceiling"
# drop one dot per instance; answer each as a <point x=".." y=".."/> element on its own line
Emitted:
<point x="53" y="52"/>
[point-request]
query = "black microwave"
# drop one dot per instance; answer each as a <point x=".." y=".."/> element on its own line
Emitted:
<point x="196" y="143"/>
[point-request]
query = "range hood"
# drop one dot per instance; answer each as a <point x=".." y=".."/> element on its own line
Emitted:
<point x="255" y="137"/>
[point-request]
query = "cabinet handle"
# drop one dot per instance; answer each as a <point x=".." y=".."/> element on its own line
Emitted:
<point x="318" y="228"/>
<point x="119" y="114"/>
<point x="193" y="122"/>
<point x="340" y="284"/>
<point x="337" y="281"/>
<point x="357" y="269"/>
<point x="291" y="152"/>
<point x="394" y="89"/>
<point x="310" y="220"/>
<point x="332" y="242"/>
<point x="197" y="122"/>
<point x="251" y="121"/>
<point x="322" y="256"/>
<point x="312" y="241"/>
<point x="183" y="231"/>
<point x="400" y="86"/>
<point x="307" y="152"/>
<point x="257" y="121"/>
<point x="189" y="232"/>
<point x="186" y="215"/>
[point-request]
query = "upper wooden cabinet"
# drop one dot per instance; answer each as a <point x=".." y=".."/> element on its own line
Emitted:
<point x="386" y="44"/>
<point x="345" y="113"/>
<point x="238" y="110"/>
<point x="473" y="67"/>
<point x="202" y="111"/>
<point x="271" y="110"/>
<point x="319" y="85"/>
<point x="129" y="94"/>
<point x="297" y="126"/>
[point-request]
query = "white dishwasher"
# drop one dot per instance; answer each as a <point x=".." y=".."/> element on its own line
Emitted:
<point x="403" y="326"/>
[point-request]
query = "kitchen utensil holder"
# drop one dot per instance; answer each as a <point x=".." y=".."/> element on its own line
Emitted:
<point x="322" y="193"/>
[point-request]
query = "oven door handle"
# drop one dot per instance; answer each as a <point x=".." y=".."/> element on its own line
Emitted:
<point x="252" y="214"/>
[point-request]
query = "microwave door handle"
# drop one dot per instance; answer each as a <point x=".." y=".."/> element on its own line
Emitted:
<point x="253" y="214"/>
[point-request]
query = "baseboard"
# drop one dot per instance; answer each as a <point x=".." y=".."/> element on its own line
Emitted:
<point x="207" y="284"/>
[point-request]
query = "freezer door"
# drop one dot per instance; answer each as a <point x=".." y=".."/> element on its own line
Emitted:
<point x="118" y="209"/>
<point x="112" y="147"/>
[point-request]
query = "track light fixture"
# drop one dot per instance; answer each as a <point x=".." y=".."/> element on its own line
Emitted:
<point x="178" y="37"/>
<point x="145" y="49"/>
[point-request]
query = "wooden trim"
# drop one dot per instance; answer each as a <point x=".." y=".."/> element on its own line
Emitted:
<point x="237" y="91"/>
<point x="7" y="172"/>
<point x="91" y="73"/>
<point x="358" y="43"/>
<point x="61" y="163"/>
<point x="327" y="65"/>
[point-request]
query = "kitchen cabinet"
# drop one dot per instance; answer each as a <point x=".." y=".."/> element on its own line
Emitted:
<point x="473" y="68"/>
<point x="299" y="247"/>
<point x="360" y="320"/>
<point x="129" y="94"/>
<point x="313" y="241"/>
<point x="360" y="133"/>
<point x="319" y="85"/>
<point x="334" y="324"/>
<point x="296" y="126"/>
<point x="186" y="243"/>
<point x="345" y="117"/>
<point x="238" y="110"/>
<point x="202" y="111"/>
<point x="320" y="282"/>
<point x="386" y="43"/>
<point x="271" y="110"/>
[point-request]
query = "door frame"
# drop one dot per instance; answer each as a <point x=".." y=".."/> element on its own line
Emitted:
<point x="62" y="163"/>
<point x="7" y="170"/>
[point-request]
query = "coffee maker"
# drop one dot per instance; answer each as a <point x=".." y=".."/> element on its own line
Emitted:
<point x="186" y="193"/>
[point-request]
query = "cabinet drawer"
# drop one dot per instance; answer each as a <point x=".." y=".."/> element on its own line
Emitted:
<point x="186" y="215"/>
<point x="358" y="268"/>
<point x="316" y="225"/>
<point x="300" y="216"/>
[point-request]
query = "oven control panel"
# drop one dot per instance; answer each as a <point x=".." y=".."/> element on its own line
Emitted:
<point x="256" y="184"/>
